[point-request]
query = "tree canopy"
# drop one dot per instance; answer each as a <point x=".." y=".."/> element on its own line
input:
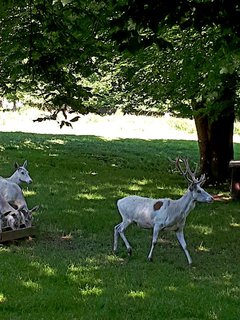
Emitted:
<point x="48" y="48"/>
<point x="146" y="56"/>
<point x="199" y="48"/>
<point x="65" y="53"/>
<point x="196" y="66"/>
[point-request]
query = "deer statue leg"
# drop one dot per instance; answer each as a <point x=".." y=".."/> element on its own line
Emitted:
<point x="119" y="230"/>
<point x="156" y="229"/>
<point x="180" y="237"/>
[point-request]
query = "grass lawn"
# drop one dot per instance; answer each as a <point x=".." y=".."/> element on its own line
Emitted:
<point x="69" y="272"/>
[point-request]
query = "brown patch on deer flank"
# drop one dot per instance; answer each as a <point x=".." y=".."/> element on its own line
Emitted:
<point x="157" y="205"/>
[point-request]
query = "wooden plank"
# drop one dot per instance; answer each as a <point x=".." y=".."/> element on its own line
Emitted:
<point x="235" y="179"/>
<point x="234" y="163"/>
<point x="17" y="234"/>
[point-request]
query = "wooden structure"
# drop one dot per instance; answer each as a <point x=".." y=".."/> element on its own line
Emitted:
<point x="235" y="179"/>
<point x="9" y="235"/>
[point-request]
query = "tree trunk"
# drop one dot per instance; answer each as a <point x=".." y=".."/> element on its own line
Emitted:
<point x="14" y="105"/>
<point x="215" y="140"/>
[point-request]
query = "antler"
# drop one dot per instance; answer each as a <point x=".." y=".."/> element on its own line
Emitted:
<point x="187" y="173"/>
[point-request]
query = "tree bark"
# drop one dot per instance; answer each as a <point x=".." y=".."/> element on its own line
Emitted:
<point x="215" y="140"/>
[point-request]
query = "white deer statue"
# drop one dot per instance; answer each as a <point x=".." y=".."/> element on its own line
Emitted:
<point x="21" y="174"/>
<point x="162" y="214"/>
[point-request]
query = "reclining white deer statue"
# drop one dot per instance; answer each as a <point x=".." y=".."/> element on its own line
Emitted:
<point x="9" y="217"/>
<point x="162" y="214"/>
<point x="11" y="193"/>
<point x="21" y="174"/>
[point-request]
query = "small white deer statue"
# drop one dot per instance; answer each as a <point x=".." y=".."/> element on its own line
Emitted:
<point x="21" y="174"/>
<point x="162" y="214"/>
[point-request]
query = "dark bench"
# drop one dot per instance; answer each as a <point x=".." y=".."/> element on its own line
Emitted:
<point x="8" y="235"/>
<point x="235" y="179"/>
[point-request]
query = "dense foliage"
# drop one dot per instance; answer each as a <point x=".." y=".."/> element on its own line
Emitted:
<point x="172" y="54"/>
<point x="137" y="56"/>
<point x="198" y="56"/>
<point x="48" y="48"/>
<point x="198" y="71"/>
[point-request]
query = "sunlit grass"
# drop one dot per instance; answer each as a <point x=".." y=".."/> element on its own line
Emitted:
<point x="171" y="288"/>
<point x="202" y="248"/>
<point x="205" y="230"/>
<point x="91" y="291"/>
<point x="69" y="270"/>
<point x="2" y="298"/>
<point x="136" y="294"/>
<point x="43" y="268"/>
<point x="28" y="193"/>
<point x="88" y="196"/>
<point x="31" y="285"/>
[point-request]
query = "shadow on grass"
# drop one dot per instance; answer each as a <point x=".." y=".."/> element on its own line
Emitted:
<point x="69" y="271"/>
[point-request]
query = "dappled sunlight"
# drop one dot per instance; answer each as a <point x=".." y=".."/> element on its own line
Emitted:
<point x="114" y="258"/>
<point x="232" y="293"/>
<point x="94" y="187"/>
<point x="134" y="187"/>
<point x="227" y="278"/>
<point x="222" y="279"/>
<point x="84" y="276"/>
<point x="171" y="288"/>
<point x="138" y="184"/>
<point x="70" y="268"/>
<point x="90" y="291"/>
<point x="81" y="268"/>
<point x="31" y="285"/>
<point x="95" y="192"/>
<point x="212" y="315"/>
<point x="32" y="145"/>
<point x="53" y="155"/>
<point x="92" y="261"/>
<point x="202" y="248"/>
<point x="90" y="173"/>
<point x="89" y="210"/>
<point x="71" y="211"/>
<point x="147" y="188"/>
<point x="88" y="196"/>
<point x="5" y="249"/>
<point x="43" y="268"/>
<point x="234" y="223"/>
<point x="2" y="298"/>
<point x="136" y="294"/>
<point x="56" y="141"/>
<point x="29" y="193"/>
<point x="121" y="194"/>
<point x="141" y="182"/>
<point x="172" y="192"/>
<point x="206" y="230"/>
